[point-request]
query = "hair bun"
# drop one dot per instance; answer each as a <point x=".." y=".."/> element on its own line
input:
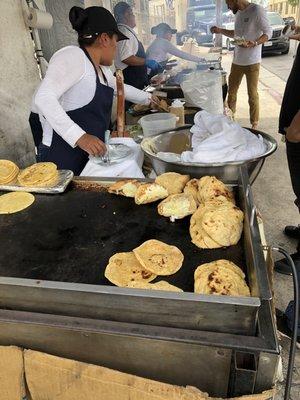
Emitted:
<point x="154" y="30"/>
<point x="77" y="17"/>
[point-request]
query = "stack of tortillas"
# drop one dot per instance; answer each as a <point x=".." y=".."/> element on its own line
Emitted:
<point x="39" y="174"/>
<point x="15" y="201"/>
<point x="216" y="225"/>
<point x="217" y="222"/>
<point x="138" y="268"/>
<point x="221" y="277"/>
<point x="8" y="172"/>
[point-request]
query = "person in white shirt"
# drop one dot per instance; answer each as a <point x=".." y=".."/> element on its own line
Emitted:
<point x="72" y="106"/>
<point x="161" y="48"/>
<point x="251" y="23"/>
<point x="131" y="55"/>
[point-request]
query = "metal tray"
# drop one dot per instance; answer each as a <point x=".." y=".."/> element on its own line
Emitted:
<point x="53" y="261"/>
<point x="65" y="177"/>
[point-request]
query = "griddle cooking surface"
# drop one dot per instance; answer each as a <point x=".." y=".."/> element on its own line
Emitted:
<point x="70" y="237"/>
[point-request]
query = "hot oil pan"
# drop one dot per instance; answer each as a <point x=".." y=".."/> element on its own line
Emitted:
<point x="53" y="256"/>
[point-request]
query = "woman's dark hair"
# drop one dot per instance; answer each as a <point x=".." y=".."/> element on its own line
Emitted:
<point x="154" y="30"/>
<point x="77" y="17"/>
<point x="88" y="40"/>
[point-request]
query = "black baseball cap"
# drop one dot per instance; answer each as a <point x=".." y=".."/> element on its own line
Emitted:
<point x="120" y="9"/>
<point x="162" y="28"/>
<point x="93" y="21"/>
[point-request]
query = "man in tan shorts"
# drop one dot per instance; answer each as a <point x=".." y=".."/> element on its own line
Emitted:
<point x="251" y="23"/>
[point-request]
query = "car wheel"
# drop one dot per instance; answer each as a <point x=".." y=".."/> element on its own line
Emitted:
<point x="286" y="51"/>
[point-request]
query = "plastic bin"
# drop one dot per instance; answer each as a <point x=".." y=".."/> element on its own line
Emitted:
<point x="156" y="123"/>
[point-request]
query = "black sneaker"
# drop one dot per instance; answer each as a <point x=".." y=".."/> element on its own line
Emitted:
<point x="282" y="324"/>
<point x="292" y="231"/>
<point x="282" y="266"/>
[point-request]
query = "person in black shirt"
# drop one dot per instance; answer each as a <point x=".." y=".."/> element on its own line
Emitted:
<point x="289" y="125"/>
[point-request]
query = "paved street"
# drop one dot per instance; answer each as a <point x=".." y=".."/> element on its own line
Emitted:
<point x="280" y="65"/>
<point x="272" y="190"/>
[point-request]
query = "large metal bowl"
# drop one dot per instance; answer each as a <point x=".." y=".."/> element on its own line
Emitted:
<point x="179" y="140"/>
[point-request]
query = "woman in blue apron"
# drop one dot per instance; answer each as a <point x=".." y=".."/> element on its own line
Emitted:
<point x="97" y="36"/>
<point x="132" y="56"/>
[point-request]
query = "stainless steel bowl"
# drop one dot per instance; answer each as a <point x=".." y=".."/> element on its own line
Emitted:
<point x="179" y="140"/>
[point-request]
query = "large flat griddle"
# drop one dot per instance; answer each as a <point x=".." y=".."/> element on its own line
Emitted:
<point x="70" y="238"/>
<point x="53" y="257"/>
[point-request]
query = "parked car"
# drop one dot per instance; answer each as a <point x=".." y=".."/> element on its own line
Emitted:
<point x="289" y="21"/>
<point x="278" y="42"/>
<point x="201" y="16"/>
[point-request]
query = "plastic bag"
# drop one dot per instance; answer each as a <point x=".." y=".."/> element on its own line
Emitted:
<point x="204" y="89"/>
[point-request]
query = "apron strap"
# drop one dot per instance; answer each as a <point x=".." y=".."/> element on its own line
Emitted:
<point x="96" y="72"/>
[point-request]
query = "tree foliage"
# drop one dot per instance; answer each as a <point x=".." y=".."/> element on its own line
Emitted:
<point x="293" y="2"/>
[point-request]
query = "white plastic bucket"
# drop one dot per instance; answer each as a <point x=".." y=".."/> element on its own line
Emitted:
<point x="156" y="123"/>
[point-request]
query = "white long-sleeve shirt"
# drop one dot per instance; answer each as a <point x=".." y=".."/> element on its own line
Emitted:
<point x="126" y="48"/>
<point x="160" y="49"/>
<point x="250" y="23"/>
<point x="70" y="83"/>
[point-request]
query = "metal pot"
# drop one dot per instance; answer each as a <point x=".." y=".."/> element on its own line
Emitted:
<point x="179" y="140"/>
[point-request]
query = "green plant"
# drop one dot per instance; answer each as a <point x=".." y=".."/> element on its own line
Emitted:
<point x="293" y="2"/>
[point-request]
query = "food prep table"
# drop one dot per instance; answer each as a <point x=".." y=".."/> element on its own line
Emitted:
<point x="54" y="296"/>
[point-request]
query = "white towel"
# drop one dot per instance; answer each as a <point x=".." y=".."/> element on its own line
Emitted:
<point x="129" y="168"/>
<point x="218" y="139"/>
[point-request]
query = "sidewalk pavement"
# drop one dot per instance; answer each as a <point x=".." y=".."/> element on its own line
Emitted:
<point x="272" y="190"/>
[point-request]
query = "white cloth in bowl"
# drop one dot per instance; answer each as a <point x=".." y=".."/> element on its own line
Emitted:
<point x="218" y="139"/>
<point x="129" y="168"/>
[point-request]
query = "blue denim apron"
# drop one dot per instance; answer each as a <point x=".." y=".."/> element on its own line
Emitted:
<point x="136" y="75"/>
<point x="93" y="118"/>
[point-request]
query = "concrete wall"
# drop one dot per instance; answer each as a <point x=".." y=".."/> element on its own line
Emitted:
<point x="61" y="34"/>
<point x="18" y="79"/>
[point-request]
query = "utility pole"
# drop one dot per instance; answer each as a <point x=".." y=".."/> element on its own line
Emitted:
<point x="219" y="21"/>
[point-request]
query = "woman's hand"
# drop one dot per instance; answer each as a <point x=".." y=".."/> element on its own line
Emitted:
<point x="91" y="144"/>
<point x="154" y="102"/>
<point x="292" y="135"/>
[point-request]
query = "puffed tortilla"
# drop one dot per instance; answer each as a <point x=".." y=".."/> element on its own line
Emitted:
<point x="125" y="187"/>
<point x="217" y="224"/>
<point x="15" y="201"/>
<point x="124" y="268"/>
<point x="192" y="188"/>
<point x="173" y="182"/>
<point x="159" y="258"/>
<point x="177" y="206"/>
<point x="149" y="193"/>
<point x="221" y="277"/>
<point x="161" y="285"/>
<point x="211" y="188"/>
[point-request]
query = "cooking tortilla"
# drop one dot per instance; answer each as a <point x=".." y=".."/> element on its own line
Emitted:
<point x="126" y="187"/>
<point x="192" y="188"/>
<point x="210" y="188"/>
<point x="177" y="206"/>
<point x="220" y="277"/>
<point x="161" y="285"/>
<point x="15" y="201"/>
<point x="173" y="182"/>
<point x="39" y="174"/>
<point x="8" y="172"/>
<point x="124" y="268"/>
<point x="150" y="192"/>
<point x="159" y="258"/>
<point x="217" y="224"/>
